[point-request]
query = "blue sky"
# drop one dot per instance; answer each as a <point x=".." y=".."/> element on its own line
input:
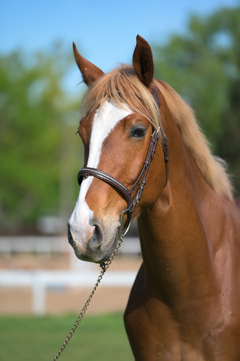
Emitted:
<point x="104" y="31"/>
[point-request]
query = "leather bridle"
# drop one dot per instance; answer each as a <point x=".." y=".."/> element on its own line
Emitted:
<point x="127" y="193"/>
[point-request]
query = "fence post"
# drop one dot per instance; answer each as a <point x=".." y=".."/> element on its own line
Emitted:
<point x="38" y="295"/>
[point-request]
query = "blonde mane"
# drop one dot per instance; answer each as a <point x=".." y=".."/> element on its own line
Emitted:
<point x="211" y="167"/>
<point x="123" y="87"/>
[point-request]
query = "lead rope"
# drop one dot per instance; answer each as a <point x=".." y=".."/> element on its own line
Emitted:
<point x="104" y="266"/>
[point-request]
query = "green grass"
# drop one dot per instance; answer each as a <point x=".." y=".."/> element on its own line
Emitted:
<point x="39" y="338"/>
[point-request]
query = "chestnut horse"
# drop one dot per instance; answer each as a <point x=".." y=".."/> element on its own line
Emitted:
<point x="185" y="302"/>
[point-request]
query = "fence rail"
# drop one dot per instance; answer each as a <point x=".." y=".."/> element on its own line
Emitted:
<point x="40" y="244"/>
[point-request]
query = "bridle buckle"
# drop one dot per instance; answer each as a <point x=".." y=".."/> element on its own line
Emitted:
<point x="121" y="230"/>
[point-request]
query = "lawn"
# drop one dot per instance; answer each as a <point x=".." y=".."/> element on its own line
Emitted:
<point x="100" y="338"/>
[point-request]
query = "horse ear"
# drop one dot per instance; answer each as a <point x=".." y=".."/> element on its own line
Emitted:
<point x="90" y="72"/>
<point x="143" y="61"/>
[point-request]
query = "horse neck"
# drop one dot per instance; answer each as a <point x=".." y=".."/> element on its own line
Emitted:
<point x="173" y="237"/>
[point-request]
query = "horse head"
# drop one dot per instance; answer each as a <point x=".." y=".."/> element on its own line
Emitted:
<point x="120" y="115"/>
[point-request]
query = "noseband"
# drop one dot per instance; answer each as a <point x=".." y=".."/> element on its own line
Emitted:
<point x="127" y="193"/>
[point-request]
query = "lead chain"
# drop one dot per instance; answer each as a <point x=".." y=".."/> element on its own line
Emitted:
<point x="104" y="266"/>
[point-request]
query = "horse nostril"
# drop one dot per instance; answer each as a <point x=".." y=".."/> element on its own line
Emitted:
<point x="97" y="236"/>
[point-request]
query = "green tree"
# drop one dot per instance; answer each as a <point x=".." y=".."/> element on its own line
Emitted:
<point x="34" y="118"/>
<point x="203" y="66"/>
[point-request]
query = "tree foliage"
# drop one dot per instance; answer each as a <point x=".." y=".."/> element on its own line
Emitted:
<point x="32" y="127"/>
<point x="203" y="66"/>
<point x="38" y="151"/>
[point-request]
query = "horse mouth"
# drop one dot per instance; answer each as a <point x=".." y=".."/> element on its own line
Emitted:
<point x="70" y="239"/>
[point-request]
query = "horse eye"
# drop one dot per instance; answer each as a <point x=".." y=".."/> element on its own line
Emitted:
<point x="137" y="132"/>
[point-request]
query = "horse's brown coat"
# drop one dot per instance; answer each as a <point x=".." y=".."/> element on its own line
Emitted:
<point x="185" y="302"/>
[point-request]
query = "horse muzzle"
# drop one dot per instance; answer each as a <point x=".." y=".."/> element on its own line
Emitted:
<point x="95" y="244"/>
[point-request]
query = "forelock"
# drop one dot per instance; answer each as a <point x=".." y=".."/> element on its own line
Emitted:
<point x="123" y="87"/>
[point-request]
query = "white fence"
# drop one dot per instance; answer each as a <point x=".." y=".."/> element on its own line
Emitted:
<point x="40" y="281"/>
<point x="80" y="274"/>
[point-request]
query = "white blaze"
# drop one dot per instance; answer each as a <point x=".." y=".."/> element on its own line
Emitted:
<point x="103" y="123"/>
